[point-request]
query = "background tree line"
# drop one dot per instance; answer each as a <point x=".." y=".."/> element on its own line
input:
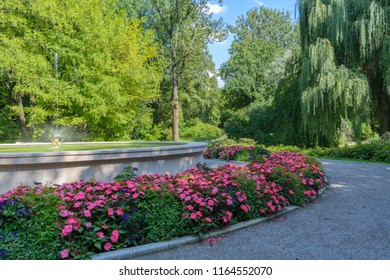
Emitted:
<point x="312" y="82"/>
<point x="122" y="66"/>
<point x="131" y="69"/>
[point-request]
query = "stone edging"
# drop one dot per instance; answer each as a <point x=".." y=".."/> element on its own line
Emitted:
<point x="137" y="251"/>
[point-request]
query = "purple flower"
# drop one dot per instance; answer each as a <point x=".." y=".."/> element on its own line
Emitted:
<point x="3" y="253"/>
<point x="124" y="217"/>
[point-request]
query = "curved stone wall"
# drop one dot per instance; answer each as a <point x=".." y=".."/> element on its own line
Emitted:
<point x="102" y="165"/>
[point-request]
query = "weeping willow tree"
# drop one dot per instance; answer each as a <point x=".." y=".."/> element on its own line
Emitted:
<point x="345" y="66"/>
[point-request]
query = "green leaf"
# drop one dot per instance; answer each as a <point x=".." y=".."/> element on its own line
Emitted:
<point x="98" y="245"/>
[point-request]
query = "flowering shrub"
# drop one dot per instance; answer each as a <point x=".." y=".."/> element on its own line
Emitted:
<point x="28" y="219"/>
<point x="234" y="152"/>
<point x="92" y="217"/>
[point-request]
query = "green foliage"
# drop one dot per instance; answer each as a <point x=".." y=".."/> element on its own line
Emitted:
<point x="292" y="188"/>
<point x="200" y="131"/>
<point x="127" y="173"/>
<point x="163" y="217"/>
<point x="344" y="67"/>
<point x="374" y="151"/>
<point x="22" y="220"/>
<point x="108" y="69"/>
<point x="261" y="79"/>
<point x="257" y="55"/>
<point x="183" y="29"/>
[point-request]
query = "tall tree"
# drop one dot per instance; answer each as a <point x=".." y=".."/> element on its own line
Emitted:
<point x="345" y="66"/>
<point x="261" y="37"/>
<point x="264" y="40"/>
<point x="184" y="28"/>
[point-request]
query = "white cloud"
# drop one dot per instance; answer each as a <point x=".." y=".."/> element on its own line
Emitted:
<point x="216" y="8"/>
<point x="258" y="2"/>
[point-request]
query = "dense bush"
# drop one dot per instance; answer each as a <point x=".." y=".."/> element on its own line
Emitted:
<point x="236" y="153"/>
<point x="28" y="219"/>
<point x="83" y="218"/>
<point x="374" y="151"/>
<point x="378" y="150"/>
<point x="199" y="131"/>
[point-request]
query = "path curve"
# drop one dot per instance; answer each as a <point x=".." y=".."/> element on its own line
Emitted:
<point x="350" y="220"/>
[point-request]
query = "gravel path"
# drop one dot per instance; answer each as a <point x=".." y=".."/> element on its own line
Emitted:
<point x="350" y="220"/>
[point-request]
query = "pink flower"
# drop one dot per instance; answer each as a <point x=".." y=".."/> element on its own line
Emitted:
<point x="119" y="211"/>
<point x="71" y="220"/>
<point x="207" y="219"/>
<point x="229" y="202"/>
<point x="110" y="212"/>
<point x="66" y="230"/>
<point x="246" y="208"/>
<point x="210" y="202"/>
<point x="135" y="195"/>
<point x="193" y="216"/>
<point x="88" y="224"/>
<point x="87" y="213"/>
<point x="227" y="217"/>
<point x="66" y="213"/>
<point x="77" y="204"/>
<point x="100" y="234"/>
<point x="190" y="207"/>
<point x="105" y="226"/>
<point x="79" y="196"/>
<point x="114" y="236"/>
<point x="199" y="214"/>
<point x="107" y="246"/>
<point x="64" y="254"/>
<point x="270" y="205"/>
<point x="291" y="191"/>
<point x="308" y="193"/>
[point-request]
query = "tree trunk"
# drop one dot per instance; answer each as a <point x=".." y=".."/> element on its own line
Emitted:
<point x="22" y="119"/>
<point x="381" y="102"/>
<point x="175" y="104"/>
<point x="175" y="93"/>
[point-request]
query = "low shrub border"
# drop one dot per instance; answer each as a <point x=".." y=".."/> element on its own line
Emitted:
<point x="376" y="151"/>
<point x="95" y="217"/>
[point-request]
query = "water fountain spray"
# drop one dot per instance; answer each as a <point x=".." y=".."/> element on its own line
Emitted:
<point x="56" y="140"/>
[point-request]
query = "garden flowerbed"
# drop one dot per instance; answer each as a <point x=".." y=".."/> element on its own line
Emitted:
<point x="80" y="219"/>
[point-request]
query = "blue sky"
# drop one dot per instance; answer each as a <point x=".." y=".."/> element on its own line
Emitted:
<point x="230" y="11"/>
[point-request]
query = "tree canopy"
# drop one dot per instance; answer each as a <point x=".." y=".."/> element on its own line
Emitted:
<point x="108" y="70"/>
<point x="345" y="66"/>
